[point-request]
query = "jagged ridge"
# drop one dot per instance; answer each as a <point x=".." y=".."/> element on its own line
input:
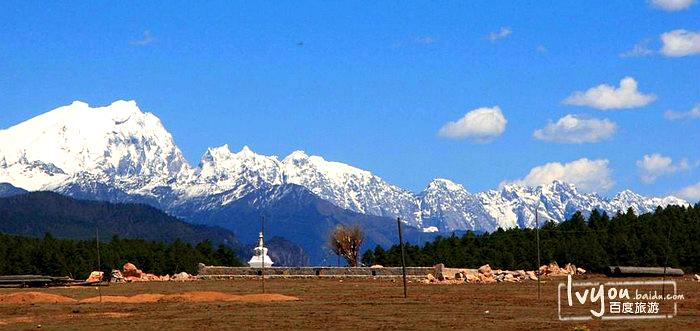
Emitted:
<point x="120" y="153"/>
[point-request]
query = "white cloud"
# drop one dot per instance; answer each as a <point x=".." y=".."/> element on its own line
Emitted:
<point x="147" y="39"/>
<point x="608" y="97"/>
<point x="482" y="125"/>
<point x="674" y="115"/>
<point x="655" y="165"/>
<point x="639" y="50"/>
<point x="587" y="175"/>
<point x="500" y="34"/>
<point x="690" y="193"/>
<point x="671" y="5"/>
<point x="573" y="129"/>
<point x="680" y="43"/>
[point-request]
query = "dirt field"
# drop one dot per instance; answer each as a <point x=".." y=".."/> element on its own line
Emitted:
<point x="322" y="304"/>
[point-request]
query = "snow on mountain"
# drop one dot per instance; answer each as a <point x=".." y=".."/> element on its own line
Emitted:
<point x="118" y="143"/>
<point x="640" y="204"/>
<point x="120" y="153"/>
<point x="350" y="188"/>
<point x="223" y="177"/>
<point x="449" y="206"/>
<point x="221" y="170"/>
<point x="515" y="205"/>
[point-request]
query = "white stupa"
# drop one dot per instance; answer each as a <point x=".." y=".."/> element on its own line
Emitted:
<point x="260" y="256"/>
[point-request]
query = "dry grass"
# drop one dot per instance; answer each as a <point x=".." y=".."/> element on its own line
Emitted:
<point x="326" y="303"/>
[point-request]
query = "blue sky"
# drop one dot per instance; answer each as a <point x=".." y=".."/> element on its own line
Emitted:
<point x="372" y="85"/>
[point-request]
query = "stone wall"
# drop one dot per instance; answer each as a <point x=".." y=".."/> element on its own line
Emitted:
<point x="217" y="272"/>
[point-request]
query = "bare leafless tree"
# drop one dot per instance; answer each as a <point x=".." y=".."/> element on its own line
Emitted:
<point x="345" y="241"/>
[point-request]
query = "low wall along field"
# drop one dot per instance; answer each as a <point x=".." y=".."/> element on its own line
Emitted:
<point x="217" y="272"/>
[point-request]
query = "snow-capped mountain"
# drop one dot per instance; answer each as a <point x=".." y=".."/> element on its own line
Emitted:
<point x="120" y="145"/>
<point x="230" y="176"/>
<point x="220" y="170"/>
<point x="120" y="153"/>
<point x="350" y="188"/>
<point x="449" y="206"/>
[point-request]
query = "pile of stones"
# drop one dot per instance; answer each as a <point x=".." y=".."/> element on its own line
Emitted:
<point x="130" y="273"/>
<point x="486" y="275"/>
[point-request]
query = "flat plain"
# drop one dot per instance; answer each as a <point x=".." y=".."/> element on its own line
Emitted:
<point x="323" y="304"/>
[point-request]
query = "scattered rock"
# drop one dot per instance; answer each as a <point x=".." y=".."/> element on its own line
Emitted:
<point x="486" y="279"/>
<point x="554" y="270"/>
<point x="95" y="277"/>
<point x="472" y="278"/>
<point x="511" y="279"/>
<point x="132" y="274"/>
<point x="580" y="271"/>
<point x="183" y="276"/>
<point x="569" y="269"/>
<point x="131" y="270"/>
<point x="485" y="270"/>
<point x="117" y="276"/>
<point x="697" y="278"/>
<point x="486" y="275"/>
<point x="377" y="266"/>
<point x="531" y="275"/>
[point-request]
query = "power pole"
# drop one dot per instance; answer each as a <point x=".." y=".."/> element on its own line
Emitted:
<point x="403" y="257"/>
<point x="537" y="234"/>
<point x="668" y="249"/>
<point x="262" y="252"/>
<point x="99" y="262"/>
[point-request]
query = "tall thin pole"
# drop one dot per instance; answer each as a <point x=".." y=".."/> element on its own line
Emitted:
<point x="403" y="257"/>
<point x="262" y="252"/>
<point x="537" y="234"/>
<point x="668" y="249"/>
<point x="99" y="262"/>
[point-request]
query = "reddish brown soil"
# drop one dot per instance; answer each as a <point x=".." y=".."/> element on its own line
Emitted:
<point x="33" y="297"/>
<point x="324" y="304"/>
<point x="59" y="317"/>
<point x="190" y="297"/>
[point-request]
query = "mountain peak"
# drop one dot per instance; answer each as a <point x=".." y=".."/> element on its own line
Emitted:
<point x="217" y="153"/>
<point x="246" y="150"/>
<point x="297" y="155"/>
<point x="444" y="184"/>
<point x="115" y="142"/>
<point x="627" y="193"/>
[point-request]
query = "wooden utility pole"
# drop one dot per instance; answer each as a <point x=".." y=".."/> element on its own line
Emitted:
<point x="668" y="249"/>
<point x="99" y="261"/>
<point x="262" y="253"/>
<point x="537" y="234"/>
<point x="403" y="257"/>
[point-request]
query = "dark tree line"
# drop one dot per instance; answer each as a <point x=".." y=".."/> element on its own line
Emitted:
<point x="593" y="243"/>
<point x="77" y="258"/>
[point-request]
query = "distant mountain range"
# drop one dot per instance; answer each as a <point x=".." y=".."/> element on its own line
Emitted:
<point x="38" y="213"/>
<point x="118" y="153"/>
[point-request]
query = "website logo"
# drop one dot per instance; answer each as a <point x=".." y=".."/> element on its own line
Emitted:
<point x="580" y="301"/>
